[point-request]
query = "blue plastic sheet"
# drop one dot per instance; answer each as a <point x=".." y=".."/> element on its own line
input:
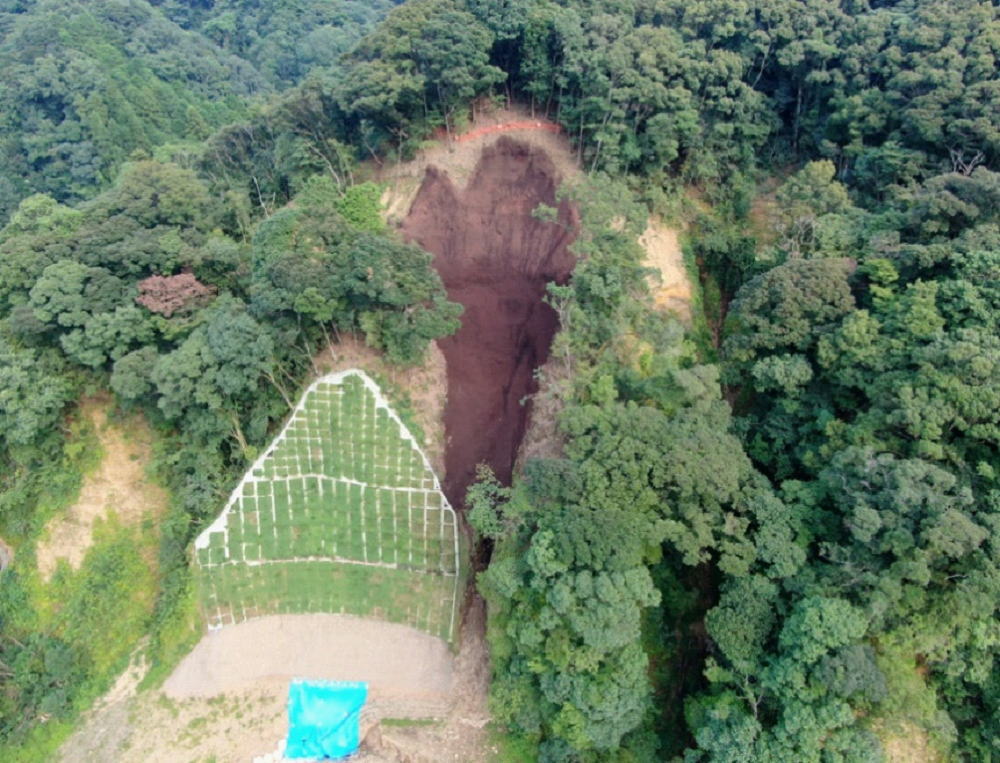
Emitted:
<point x="324" y="719"/>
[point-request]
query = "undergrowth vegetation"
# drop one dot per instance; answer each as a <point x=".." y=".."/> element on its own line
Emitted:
<point x="67" y="638"/>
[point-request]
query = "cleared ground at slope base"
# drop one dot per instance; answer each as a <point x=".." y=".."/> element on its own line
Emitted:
<point x="398" y="662"/>
<point x="245" y="715"/>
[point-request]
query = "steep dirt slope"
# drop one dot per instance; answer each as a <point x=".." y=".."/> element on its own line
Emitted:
<point x="495" y="258"/>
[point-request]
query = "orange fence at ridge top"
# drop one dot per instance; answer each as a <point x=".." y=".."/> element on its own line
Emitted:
<point x="526" y="124"/>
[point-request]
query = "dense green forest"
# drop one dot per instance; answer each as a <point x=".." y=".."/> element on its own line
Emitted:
<point x="774" y="536"/>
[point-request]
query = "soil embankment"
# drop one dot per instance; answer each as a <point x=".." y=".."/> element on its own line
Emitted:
<point x="495" y="257"/>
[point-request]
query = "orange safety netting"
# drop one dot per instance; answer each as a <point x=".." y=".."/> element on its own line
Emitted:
<point x="525" y="124"/>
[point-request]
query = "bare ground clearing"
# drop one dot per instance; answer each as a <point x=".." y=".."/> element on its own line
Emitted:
<point x="672" y="290"/>
<point x="243" y="715"/>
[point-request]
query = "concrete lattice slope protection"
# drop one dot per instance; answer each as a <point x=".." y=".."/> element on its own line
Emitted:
<point x="341" y="514"/>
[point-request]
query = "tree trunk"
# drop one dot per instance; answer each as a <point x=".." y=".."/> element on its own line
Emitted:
<point x="276" y="383"/>
<point x="795" y="123"/>
<point x="238" y="432"/>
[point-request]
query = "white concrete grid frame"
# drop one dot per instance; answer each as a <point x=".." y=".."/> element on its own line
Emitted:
<point x="299" y="428"/>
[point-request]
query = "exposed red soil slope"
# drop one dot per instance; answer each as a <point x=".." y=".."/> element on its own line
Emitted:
<point x="495" y="258"/>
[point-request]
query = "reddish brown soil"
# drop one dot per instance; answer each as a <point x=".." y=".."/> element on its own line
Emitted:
<point x="495" y="259"/>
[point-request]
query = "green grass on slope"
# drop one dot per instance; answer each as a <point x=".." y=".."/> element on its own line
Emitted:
<point x="342" y="514"/>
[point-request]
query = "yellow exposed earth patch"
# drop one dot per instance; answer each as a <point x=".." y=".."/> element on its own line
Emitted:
<point x="118" y="485"/>
<point x="672" y="290"/>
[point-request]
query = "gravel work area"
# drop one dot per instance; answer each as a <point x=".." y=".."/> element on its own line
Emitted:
<point x="244" y="717"/>
<point x="398" y="662"/>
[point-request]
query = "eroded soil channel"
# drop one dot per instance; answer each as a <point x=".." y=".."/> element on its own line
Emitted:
<point x="495" y="258"/>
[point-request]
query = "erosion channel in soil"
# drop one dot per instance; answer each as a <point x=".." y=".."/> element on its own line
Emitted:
<point x="495" y="258"/>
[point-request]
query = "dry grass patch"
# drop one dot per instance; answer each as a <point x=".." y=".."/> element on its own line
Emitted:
<point x="907" y="743"/>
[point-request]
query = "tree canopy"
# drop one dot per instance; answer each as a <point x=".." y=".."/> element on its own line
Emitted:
<point x="770" y="535"/>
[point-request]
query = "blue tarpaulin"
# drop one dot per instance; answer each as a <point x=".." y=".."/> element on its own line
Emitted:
<point x="324" y="719"/>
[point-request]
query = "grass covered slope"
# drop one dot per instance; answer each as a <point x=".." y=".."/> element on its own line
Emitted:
<point x="342" y="513"/>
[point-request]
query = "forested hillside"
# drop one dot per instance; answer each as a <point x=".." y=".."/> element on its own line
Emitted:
<point x="89" y="84"/>
<point x="773" y="535"/>
<point x="821" y="581"/>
